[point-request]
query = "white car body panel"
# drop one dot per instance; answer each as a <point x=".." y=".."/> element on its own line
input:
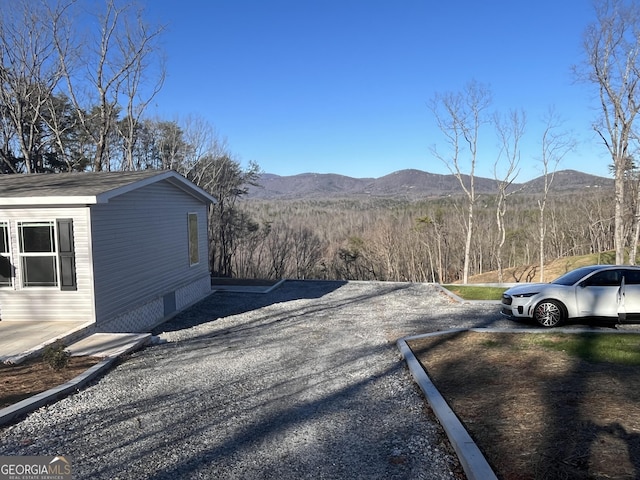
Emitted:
<point x="631" y="298"/>
<point x="598" y="301"/>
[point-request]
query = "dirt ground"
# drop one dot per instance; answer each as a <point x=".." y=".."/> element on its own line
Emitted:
<point x="33" y="376"/>
<point x="537" y="413"/>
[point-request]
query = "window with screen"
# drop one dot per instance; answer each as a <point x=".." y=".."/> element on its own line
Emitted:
<point x="38" y="254"/>
<point x="47" y="256"/>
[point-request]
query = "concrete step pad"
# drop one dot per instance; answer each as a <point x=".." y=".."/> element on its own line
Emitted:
<point x="109" y="344"/>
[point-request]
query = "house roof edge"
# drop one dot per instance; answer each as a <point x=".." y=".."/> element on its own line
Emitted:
<point x="72" y="189"/>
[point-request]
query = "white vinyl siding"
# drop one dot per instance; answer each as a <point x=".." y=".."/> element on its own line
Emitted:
<point x="47" y="303"/>
<point x="141" y="247"/>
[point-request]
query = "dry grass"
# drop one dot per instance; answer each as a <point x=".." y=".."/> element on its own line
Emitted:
<point x="33" y="376"/>
<point x="552" y="270"/>
<point x="538" y="413"/>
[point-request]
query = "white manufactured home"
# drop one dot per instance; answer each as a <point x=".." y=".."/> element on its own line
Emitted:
<point x="119" y="251"/>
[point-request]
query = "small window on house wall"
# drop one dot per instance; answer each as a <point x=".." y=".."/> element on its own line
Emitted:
<point x="6" y="270"/>
<point x="194" y="256"/>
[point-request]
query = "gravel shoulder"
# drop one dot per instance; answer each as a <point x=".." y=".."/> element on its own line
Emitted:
<point x="302" y="382"/>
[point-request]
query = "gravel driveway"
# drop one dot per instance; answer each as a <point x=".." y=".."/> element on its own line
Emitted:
<point x="303" y="382"/>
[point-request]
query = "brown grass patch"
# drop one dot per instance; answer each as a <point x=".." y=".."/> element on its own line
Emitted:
<point x="537" y="413"/>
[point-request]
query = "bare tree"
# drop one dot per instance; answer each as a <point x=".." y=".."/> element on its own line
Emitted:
<point x="459" y="117"/>
<point x="612" y="47"/>
<point x="633" y="175"/>
<point x="433" y="226"/>
<point x="208" y="162"/>
<point x="510" y="131"/>
<point x="201" y="140"/>
<point x="133" y="88"/>
<point x="171" y="144"/>
<point x="599" y="213"/>
<point x="227" y="181"/>
<point x="60" y="115"/>
<point x="306" y="252"/>
<point x="29" y="74"/>
<point x="249" y="257"/>
<point x="556" y="143"/>
<point x="62" y="124"/>
<point x="106" y="66"/>
<point x="8" y="159"/>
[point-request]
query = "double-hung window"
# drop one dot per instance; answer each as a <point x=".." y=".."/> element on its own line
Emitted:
<point x="46" y="254"/>
<point x="38" y="257"/>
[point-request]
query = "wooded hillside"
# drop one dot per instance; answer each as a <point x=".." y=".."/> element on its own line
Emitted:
<point x="340" y="229"/>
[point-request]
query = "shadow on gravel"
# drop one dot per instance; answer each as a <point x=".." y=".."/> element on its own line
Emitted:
<point x="305" y="427"/>
<point x="390" y="300"/>
<point x="345" y="455"/>
<point x="223" y="304"/>
<point x="299" y="389"/>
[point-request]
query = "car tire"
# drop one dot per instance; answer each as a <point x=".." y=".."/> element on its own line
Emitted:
<point x="549" y="313"/>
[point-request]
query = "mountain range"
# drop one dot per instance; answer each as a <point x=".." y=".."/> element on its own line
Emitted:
<point x="408" y="184"/>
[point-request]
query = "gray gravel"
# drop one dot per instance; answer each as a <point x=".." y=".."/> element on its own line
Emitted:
<point x="303" y="382"/>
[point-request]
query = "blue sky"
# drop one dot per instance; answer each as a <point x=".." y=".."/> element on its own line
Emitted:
<point x="342" y="86"/>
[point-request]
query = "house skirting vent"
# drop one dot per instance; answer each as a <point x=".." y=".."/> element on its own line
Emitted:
<point x="169" y="303"/>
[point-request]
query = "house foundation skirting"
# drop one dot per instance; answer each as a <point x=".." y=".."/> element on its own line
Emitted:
<point x="145" y="317"/>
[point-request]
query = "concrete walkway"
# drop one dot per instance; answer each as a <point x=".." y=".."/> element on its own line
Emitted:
<point x="21" y="339"/>
<point x="108" y="345"/>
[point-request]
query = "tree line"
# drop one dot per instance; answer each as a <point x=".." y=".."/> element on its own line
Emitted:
<point x="416" y="241"/>
<point x="76" y="79"/>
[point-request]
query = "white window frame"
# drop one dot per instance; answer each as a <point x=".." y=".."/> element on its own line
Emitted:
<point x="53" y="253"/>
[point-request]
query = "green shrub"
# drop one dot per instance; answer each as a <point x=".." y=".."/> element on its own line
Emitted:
<point x="56" y="356"/>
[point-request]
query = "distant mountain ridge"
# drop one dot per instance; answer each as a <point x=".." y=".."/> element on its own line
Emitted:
<point x="408" y="184"/>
